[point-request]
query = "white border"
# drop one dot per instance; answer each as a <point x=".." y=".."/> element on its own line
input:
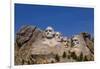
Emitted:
<point x="78" y="3"/>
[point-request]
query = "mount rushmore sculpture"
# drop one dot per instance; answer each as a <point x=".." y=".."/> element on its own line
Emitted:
<point x="35" y="46"/>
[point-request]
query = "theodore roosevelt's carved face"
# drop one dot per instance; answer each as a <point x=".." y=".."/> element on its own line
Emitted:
<point x="49" y="32"/>
<point x="65" y="41"/>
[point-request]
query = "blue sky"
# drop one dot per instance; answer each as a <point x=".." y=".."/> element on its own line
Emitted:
<point x="67" y="20"/>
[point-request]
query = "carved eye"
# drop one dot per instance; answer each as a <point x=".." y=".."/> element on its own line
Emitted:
<point x="50" y="30"/>
<point x="75" y="40"/>
<point x="56" y="34"/>
<point x="59" y="37"/>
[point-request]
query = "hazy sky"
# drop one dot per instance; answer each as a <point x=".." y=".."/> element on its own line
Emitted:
<point x="67" y="20"/>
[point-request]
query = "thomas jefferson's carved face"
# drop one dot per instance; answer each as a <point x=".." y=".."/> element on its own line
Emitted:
<point x="58" y="36"/>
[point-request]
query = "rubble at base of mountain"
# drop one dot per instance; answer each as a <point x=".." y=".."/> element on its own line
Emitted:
<point x="35" y="46"/>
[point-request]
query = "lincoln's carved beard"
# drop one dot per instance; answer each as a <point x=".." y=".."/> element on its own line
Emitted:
<point x="49" y="32"/>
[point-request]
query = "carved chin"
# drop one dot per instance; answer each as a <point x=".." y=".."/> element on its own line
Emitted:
<point x="49" y="36"/>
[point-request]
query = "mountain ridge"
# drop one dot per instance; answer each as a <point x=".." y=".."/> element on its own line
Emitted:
<point x="36" y="46"/>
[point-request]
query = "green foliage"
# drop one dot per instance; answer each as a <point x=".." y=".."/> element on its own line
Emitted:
<point x="57" y="58"/>
<point x="85" y="58"/>
<point x="73" y="55"/>
<point x="64" y="55"/>
<point x="52" y="61"/>
<point x="68" y="56"/>
<point x="80" y="58"/>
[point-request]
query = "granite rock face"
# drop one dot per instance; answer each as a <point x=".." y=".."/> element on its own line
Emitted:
<point x="32" y="47"/>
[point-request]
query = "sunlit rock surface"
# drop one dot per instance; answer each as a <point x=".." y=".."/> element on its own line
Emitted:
<point x="33" y="47"/>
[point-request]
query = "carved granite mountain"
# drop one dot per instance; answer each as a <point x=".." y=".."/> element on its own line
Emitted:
<point x="32" y="47"/>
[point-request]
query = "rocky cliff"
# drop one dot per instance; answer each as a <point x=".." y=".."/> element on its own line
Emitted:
<point x="33" y="47"/>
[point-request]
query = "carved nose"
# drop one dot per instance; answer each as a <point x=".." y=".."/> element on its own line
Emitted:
<point x="47" y="33"/>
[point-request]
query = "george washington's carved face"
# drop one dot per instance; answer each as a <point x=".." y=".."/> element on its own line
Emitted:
<point x="49" y="32"/>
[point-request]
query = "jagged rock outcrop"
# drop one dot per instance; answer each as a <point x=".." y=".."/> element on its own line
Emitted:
<point x="33" y="46"/>
<point x="24" y="39"/>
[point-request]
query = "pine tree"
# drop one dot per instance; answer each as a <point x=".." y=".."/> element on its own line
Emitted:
<point x="64" y="55"/>
<point x="85" y="59"/>
<point x="80" y="58"/>
<point x="52" y="61"/>
<point x="57" y="58"/>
